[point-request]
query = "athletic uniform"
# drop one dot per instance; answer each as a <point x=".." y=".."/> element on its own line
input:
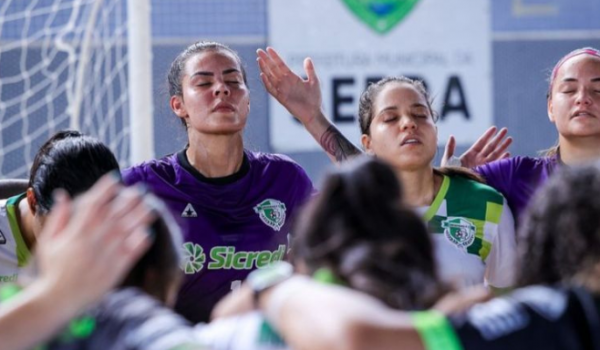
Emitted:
<point x="473" y="230"/>
<point x="126" y="319"/>
<point x="230" y="225"/>
<point x="530" y="318"/>
<point x="248" y="331"/>
<point x="13" y="250"/>
<point x="518" y="178"/>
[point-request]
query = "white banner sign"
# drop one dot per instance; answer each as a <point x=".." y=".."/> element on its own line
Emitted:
<point x="446" y="43"/>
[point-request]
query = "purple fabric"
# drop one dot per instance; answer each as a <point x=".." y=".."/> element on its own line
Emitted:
<point x="227" y="217"/>
<point x="518" y="179"/>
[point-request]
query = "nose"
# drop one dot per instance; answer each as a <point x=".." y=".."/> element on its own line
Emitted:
<point x="407" y="123"/>
<point x="221" y="88"/>
<point x="583" y="97"/>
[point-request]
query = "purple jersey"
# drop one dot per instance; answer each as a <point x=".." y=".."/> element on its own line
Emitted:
<point x="231" y="225"/>
<point x="518" y="178"/>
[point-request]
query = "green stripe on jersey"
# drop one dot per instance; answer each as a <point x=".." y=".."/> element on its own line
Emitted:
<point x="438" y="200"/>
<point x="463" y="210"/>
<point x="23" y="253"/>
<point x="435" y="331"/>
<point x="493" y="212"/>
<point x="468" y="198"/>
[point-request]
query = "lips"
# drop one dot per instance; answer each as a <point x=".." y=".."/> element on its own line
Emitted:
<point x="410" y="140"/>
<point x="582" y="113"/>
<point x="224" y="107"/>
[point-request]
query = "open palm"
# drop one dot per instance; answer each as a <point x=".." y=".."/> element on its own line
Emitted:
<point x="301" y="97"/>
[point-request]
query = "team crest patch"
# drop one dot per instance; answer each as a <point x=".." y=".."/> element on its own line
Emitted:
<point x="272" y="213"/>
<point x="193" y="258"/>
<point x="459" y="231"/>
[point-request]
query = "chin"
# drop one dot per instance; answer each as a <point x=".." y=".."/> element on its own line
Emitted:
<point x="225" y="128"/>
<point x="412" y="164"/>
<point x="581" y="132"/>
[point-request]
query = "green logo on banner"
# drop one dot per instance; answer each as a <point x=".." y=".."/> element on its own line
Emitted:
<point x="381" y="15"/>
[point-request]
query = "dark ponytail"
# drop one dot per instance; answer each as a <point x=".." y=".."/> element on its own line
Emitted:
<point x="360" y="229"/>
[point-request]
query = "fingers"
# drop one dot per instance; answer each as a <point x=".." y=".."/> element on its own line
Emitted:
<point x="309" y="68"/>
<point x="269" y="77"/>
<point x="126" y="201"/>
<point x="489" y="147"/>
<point x="492" y="144"/>
<point x="280" y="67"/>
<point x="264" y="63"/>
<point x="135" y="245"/>
<point x="499" y="150"/>
<point x="448" y="150"/>
<point x="267" y="80"/>
<point x="129" y="212"/>
<point x="271" y="64"/>
<point x="479" y="145"/>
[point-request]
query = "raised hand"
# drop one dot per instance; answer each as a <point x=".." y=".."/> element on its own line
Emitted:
<point x="89" y="244"/>
<point x="301" y="97"/>
<point x="489" y="147"/>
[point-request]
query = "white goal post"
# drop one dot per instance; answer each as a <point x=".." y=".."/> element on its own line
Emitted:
<point x="82" y="64"/>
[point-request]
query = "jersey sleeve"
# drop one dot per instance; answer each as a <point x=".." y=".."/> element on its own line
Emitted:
<point x="501" y="262"/>
<point x="498" y="174"/>
<point x="132" y="175"/>
<point x="304" y="183"/>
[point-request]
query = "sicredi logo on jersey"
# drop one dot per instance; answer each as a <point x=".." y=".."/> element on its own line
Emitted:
<point x="226" y="257"/>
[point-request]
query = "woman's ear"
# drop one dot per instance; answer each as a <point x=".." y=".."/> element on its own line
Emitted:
<point x="365" y="140"/>
<point x="31" y="201"/>
<point x="178" y="107"/>
<point x="550" y="112"/>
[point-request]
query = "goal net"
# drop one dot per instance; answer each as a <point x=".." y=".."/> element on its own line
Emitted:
<point x="63" y="64"/>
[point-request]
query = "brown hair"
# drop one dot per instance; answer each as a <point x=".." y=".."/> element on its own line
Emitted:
<point x="367" y="98"/>
<point x="360" y="229"/>
<point x="459" y="171"/>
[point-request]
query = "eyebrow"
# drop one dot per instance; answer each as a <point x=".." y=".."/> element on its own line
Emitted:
<point x="211" y="74"/>
<point x="414" y="105"/>
<point x="568" y="80"/>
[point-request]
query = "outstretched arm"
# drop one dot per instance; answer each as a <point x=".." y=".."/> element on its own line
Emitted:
<point x="80" y="257"/>
<point x="311" y="315"/>
<point x="302" y="98"/>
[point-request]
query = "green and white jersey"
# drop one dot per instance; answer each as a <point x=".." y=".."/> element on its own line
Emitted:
<point x="248" y="331"/>
<point x="473" y="232"/>
<point x="13" y="250"/>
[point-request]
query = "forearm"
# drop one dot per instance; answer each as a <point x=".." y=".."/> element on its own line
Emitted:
<point x="316" y="316"/>
<point x="33" y="316"/>
<point x="336" y="145"/>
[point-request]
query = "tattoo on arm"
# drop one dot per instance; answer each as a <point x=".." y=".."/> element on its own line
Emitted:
<point x="336" y="144"/>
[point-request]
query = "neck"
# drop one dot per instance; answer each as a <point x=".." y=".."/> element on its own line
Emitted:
<point x="26" y="222"/>
<point x="419" y="186"/>
<point x="215" y="155"/>
<point x="580" y="150"/>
